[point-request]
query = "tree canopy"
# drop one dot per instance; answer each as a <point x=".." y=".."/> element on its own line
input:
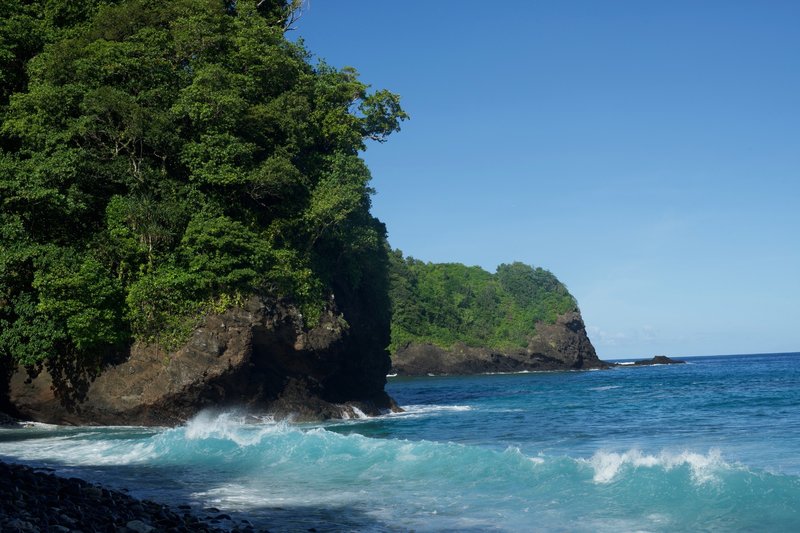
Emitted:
<point x="162" y="159"/>
<point x="445" y="303"/>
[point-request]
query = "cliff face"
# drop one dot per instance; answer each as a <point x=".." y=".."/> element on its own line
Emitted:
<point x="258" y="356"/>
<point x="560" y="346"/>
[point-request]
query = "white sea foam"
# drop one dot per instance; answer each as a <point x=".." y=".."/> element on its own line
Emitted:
<point x="703" y="468"/>
<point x="358" y="414"/>
<point x="38" y="425"/>
<point x="606" y="387"/>
<point x="82" y="450"/>
<point x="414" y="411"/>
<point x="232" y="426"/>
<point x="514" y="372"/>
<point x="239" y="496"/>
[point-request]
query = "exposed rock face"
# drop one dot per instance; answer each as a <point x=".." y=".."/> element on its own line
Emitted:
<point x="560" y="346"/>
<point x="7" y="421"/>
<point x="5" y="374"/>
<point x="258" y="356"/>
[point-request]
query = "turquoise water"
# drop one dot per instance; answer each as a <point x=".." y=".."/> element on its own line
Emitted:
<point x="712" y="445"/>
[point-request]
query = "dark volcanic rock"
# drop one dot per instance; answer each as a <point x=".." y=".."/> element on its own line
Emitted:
<point x="659" y="360"/>
<point x="6" y="370"/>
<point x="7" y="421"/>
<point x="560" y="346"/>
<point x="258" y="356"/>
<point x="35" y="501"/>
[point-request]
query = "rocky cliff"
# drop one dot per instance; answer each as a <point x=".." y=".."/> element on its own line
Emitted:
<point x="258" y="356"/>
<point x="563" y="345"/>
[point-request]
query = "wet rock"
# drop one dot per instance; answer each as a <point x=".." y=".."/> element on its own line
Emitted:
<point x="659" y="360"/>
<point x="139" y="527"/>
<point x="70" y="505"/>
<point x="7" y="421"/>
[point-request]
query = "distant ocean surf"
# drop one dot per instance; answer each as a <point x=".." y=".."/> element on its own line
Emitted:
<point x="711" y="445"/>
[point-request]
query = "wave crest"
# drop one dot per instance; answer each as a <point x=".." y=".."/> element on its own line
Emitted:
<point x="607" y="466"/>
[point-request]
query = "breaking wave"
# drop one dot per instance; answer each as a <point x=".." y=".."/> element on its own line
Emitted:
<point x="254" y="466"/>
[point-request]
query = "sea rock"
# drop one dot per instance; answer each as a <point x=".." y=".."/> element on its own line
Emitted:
<point x="563" y="345"/>
<point x="259" y="356"/>
<point x="658" y="360"/>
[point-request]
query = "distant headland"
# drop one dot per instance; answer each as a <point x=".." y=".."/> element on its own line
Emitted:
<point x="448" y="318"/>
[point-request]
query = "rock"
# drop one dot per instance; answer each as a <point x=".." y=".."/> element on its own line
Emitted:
<point x="259" y="356"/>
<point x="139" y="527"/>
<point x="659" y="360"/>
<point x="20" y="525"/>
<point x="22" y="487"/>
<point x="563" y="345"/>
<point x="7" y="421"/>
<point x="6" y="370"/>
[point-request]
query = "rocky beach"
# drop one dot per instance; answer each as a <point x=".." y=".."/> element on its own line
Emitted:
<point x="34" y="500"/>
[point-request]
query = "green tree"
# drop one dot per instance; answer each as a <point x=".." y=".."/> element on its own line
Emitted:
<point x="162" y="159"/>
<point x="447" y="303"/>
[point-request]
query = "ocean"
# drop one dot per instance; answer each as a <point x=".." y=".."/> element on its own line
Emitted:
<point x="712" y="445"/>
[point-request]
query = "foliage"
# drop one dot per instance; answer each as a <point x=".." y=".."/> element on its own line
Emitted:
<point x="160" y="160"/>
<point x="447" y="303"/>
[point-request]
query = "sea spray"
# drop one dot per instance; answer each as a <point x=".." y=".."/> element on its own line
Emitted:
<point x="607" y="466"/>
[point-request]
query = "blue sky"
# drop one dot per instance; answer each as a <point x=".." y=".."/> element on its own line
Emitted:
<point x="647" y="153"/>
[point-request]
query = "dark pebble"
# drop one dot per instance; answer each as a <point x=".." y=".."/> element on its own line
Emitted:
<point x="32" y="500"/>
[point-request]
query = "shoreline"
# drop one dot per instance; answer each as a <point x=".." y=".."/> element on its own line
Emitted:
<point x="34" y="499"/>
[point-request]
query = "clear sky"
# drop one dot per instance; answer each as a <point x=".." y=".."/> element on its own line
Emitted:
<point x="647" y="153"/>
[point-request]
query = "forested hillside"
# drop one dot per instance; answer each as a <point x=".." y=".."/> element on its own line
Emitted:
<point x="445" y="303"/>
<point x="160" y="160"/>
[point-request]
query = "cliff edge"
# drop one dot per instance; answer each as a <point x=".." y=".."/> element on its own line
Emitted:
<point x="258" y="356"/>
<point x="563" y="345"/>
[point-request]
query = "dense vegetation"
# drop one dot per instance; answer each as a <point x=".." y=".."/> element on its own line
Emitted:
<point x="160" y="159"/>
<point x="447" y="303"/>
